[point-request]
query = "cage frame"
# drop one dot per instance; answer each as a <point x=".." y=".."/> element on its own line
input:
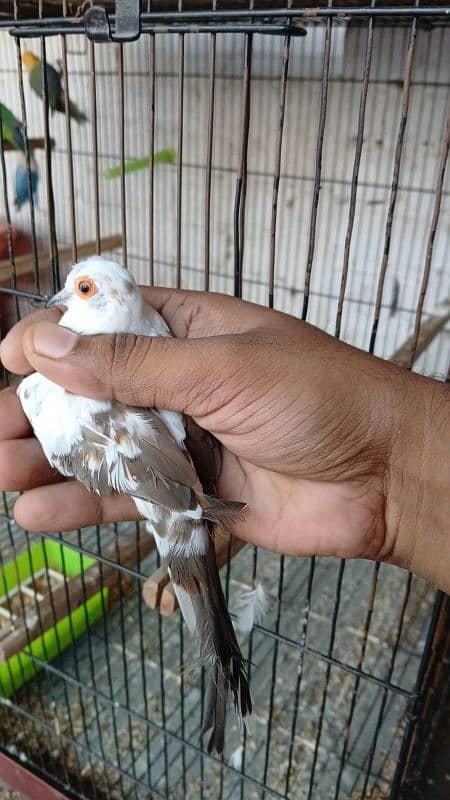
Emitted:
<point x="286" y="22"/>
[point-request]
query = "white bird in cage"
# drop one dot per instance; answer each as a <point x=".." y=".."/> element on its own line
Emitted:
<point x="111" y="447"/>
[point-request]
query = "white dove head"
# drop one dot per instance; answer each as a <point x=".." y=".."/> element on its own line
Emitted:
<point x="100" y="297"/>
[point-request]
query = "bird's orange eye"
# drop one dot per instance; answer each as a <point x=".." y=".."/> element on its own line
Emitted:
<point x="85" y="288"/>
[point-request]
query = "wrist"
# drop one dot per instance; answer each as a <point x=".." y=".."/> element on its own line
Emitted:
<point x="418" y="481"/>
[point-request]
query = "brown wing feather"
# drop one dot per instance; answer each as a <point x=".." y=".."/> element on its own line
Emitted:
<point x="161" y="472"/>
<point x="205" y="452"/>
<point x="159" y="448"/>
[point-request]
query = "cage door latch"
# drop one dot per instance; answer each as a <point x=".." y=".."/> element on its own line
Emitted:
<point x="127" y="23"/>
<point x="97" y="24"/>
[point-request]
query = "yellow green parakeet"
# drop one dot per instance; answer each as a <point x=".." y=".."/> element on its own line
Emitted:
<point x="54" y="83"/>
<point x="12" y="129"/>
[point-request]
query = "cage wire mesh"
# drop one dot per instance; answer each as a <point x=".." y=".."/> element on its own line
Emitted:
<point x="308" y="174"/>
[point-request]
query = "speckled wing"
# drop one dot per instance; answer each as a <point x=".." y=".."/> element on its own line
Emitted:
<point x="131" y="451"/>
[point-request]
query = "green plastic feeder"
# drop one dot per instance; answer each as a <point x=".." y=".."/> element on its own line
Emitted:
<point x="19" y="668"/>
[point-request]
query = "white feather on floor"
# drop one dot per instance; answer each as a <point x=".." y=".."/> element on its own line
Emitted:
<point x="236" y="757"/>
<point x="252" y="607"/>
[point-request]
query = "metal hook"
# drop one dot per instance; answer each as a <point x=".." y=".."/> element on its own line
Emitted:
<point x="127" y="21"/>
<point x="97" y="24"/>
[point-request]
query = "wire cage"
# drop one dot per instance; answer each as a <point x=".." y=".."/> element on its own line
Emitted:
<point x="295" y="156"/>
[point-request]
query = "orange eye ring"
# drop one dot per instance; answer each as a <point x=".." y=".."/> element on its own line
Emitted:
<point x="85" y="287"/>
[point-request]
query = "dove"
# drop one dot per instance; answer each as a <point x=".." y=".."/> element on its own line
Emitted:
<point x="141" y="452"/>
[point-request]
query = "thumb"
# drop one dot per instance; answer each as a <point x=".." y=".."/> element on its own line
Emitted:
<point x="177" y="374"/>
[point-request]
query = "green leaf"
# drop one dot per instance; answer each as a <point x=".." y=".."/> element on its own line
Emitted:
<point x="166" y="156"/>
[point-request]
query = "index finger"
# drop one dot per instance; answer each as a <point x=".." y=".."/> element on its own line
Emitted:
<point x="193" y="315"/>
<point x="11" y="352"/>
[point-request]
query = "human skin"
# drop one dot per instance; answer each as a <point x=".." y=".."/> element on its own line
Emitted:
<point x="335" y="452"/>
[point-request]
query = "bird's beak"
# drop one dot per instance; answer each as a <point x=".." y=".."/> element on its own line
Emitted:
<point x="59" y="299"/>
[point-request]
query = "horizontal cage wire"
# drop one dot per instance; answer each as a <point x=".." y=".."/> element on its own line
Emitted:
<point x="296" y="158"/>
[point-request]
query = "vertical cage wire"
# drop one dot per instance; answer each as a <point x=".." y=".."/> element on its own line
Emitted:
<point x="393" y="197"/>
<point x="430" y="243"/>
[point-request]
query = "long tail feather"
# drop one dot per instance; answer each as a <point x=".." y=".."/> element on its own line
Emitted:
<point x="198" y="577"/>
<point x="76" y="113"/>
<point x="215" y="710"/>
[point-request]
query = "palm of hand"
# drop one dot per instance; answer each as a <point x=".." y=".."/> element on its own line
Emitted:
<point x="313" y="486"/>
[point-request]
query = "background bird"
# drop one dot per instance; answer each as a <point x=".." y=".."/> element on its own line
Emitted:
<point x="142" y="453"/>
<point x="33" y="64"/>
<point x="12" y="129"/>
<point x="24" y="181"/>
<point x="165" y="156"/>
<point x="12" y="132"/>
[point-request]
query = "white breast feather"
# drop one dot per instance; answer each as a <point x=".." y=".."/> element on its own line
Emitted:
<point x="56" y="415"/>
<point x="174" y="423"/>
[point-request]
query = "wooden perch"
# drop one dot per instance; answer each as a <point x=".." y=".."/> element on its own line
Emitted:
<point x="168" y="603"/>
<point x="71" y="594"/>
<point x="34" y="144"/>
<point x="158" y="591"/>
<point x="428" y="331"/>
<point x="152" y="589"/>
<point x="25" y="264"/>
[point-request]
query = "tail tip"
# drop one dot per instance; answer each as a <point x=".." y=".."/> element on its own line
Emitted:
<point x="216" y="700"/>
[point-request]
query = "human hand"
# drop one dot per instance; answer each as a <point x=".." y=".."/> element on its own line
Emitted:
<point x="312" y="429"/>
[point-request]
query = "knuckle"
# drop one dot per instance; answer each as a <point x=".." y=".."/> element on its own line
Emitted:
<point x="123" y="359"/>
<point x="8" y="472"/>
<point x="123" y="347"/>
<point x="129" y="355"/>
<point x="193" y="396"/>
<point x="5" y="475"/>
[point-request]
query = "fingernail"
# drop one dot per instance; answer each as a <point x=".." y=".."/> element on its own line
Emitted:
<point x="53" y="341"/>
